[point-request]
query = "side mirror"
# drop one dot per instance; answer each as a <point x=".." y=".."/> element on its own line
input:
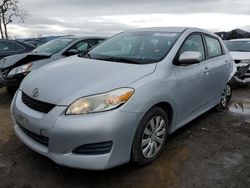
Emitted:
<point x="71" y="52"/>
<point x="190" y="57"/>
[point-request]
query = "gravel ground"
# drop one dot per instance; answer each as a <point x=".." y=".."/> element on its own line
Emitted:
<point x="211" y="151"/>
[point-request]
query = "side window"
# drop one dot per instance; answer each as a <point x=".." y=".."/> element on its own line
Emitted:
<point x="92" y="43"/>
<point x="193" y="43"/>
<point x="80" y="46"/>
<point x="99" y="41"/>
<point x="7" y="46"/>
<point x="213" y="47"/>
<point x="84" y="45"/>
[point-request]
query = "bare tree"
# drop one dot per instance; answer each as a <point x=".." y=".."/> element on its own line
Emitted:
<point x="10" y="10"/>
<point x="1" y="27"/>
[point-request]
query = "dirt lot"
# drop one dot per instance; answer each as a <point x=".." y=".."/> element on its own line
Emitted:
<point x="212" y="151"/>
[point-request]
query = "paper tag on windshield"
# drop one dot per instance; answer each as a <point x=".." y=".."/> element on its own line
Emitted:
<point x="164" y="35"/>
<point x="66" y="40"/>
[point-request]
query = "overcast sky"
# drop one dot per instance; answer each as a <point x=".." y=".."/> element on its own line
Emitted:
<point x="107" y="17"/>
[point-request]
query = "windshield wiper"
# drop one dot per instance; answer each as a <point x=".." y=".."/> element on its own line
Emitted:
<point x="120" y="59"/>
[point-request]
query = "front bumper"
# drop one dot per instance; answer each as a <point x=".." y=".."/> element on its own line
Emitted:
<point x="242" y="77"/>
<point x="66" y="133"/>
<point x="11" y="81"/>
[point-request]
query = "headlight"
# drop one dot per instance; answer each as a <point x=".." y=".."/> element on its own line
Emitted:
<point x="21" y="69"/>
<point x="100" y="102"/>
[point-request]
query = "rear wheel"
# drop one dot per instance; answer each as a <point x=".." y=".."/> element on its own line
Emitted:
<point x="225" y="98"/>
<point x="150" y="136"/>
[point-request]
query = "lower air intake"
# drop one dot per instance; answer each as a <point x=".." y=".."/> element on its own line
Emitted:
<point x="94" y="149"/>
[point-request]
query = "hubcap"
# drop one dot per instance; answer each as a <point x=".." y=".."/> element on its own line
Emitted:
<point x="226" y="95"/>
<point x="153" y="136"/>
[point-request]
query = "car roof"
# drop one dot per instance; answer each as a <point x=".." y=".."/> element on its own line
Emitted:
<point x="161" y="29"/>
<point x="83" y="37"/>
<point x="175" y="29"/>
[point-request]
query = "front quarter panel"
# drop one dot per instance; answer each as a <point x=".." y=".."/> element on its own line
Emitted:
<point x="151" y="90"/>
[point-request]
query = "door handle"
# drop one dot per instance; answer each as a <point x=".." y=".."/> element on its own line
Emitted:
<point x="227" y="63"/>
<point x="206" y="71"/>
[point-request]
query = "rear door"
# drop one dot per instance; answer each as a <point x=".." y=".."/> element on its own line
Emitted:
<point x="216" y="68"/>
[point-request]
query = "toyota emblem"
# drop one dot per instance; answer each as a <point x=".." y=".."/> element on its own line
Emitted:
<point x="35" y="92"/>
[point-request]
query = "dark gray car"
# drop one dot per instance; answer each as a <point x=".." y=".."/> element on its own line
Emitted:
<point x="14" y="68"/>
<point x="13" y="47"/>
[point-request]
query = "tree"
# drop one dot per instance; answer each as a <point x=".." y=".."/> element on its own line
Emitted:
<point x="10" y="10"/>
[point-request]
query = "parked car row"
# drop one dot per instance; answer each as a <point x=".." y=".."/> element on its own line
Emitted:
<point x="118" y="101"/>
<point x="14" y="68"/>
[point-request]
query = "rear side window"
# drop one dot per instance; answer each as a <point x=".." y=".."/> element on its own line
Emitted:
<point x="193" y="43"/>
<point x="213" y="47"/>
<point x="7" y="46"/>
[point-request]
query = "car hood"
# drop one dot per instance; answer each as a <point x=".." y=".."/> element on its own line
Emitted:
<point x="65" y="80"/>
<point x="21" y="59"/>
<point x="240" y="55"/>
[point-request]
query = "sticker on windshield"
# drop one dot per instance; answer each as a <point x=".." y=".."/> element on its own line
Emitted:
<point x="66" y="40"/>
<point x="164" y="35"/>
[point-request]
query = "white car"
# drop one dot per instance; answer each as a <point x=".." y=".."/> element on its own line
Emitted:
<point x="240" y="51"/>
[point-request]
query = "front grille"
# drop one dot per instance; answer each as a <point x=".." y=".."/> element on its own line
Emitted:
<point x="37" y="105"/>
<point x="94" y="149"/>
<point x="39" y="138"/>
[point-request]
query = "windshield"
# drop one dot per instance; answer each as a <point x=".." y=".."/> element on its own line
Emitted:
<point x="141" y="47"/>
<point x="243" y="46"/>
<point x="53" y="46"/>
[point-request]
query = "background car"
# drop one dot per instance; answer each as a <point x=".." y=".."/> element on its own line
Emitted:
<point x="119" y="101"/>
<point x="14" y="68"/>
<point x="240" y="51"/>
<point x="12" y="47"/>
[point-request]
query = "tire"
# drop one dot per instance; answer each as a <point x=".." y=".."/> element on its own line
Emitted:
<point x="225" y="98"/>
<point x="154" y="142"/>
<point x="11" y="90"/>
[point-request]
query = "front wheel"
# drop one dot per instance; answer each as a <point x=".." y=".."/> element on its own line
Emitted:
<point x="150" y="136"/>
<point x="12" y="90"/>
<point x="225" y="98"/>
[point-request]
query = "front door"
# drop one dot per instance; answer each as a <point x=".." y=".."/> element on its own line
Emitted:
<point x="190" y="90"/>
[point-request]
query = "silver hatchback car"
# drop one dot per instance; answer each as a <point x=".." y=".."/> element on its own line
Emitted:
<point x="118" y="102"/>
